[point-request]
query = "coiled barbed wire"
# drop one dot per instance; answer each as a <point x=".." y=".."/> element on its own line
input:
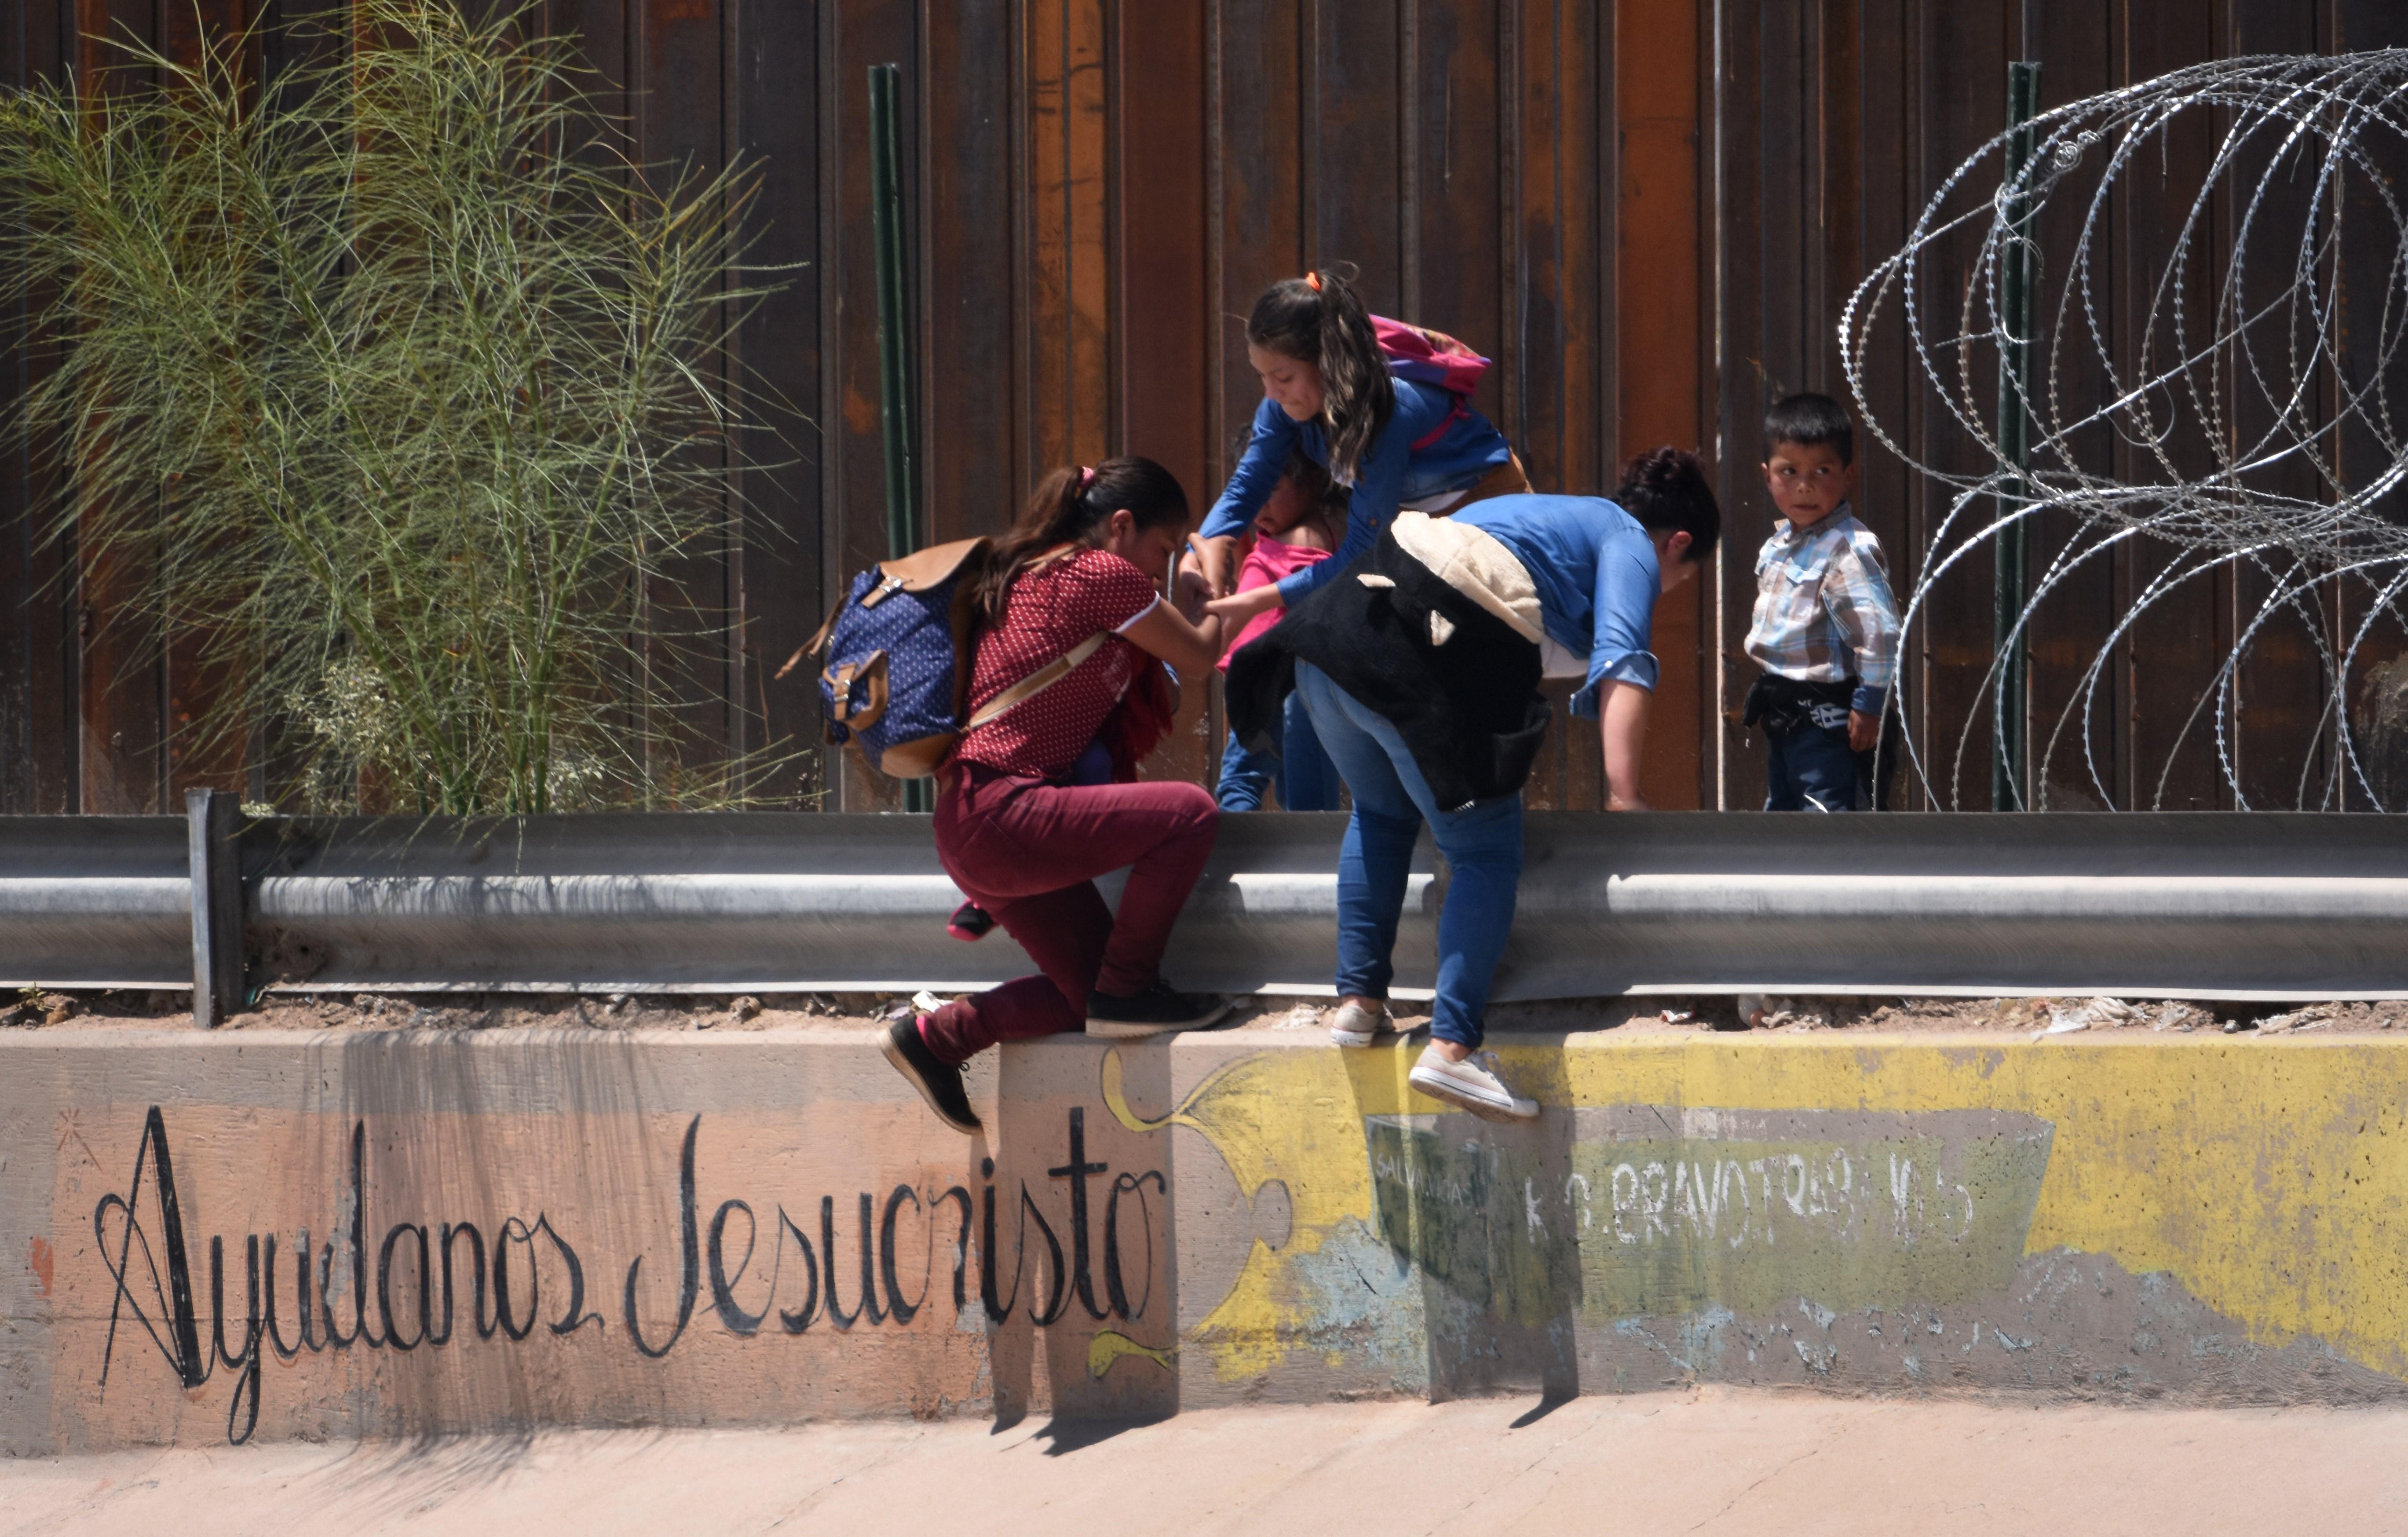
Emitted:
<point x="2245" y="423"/>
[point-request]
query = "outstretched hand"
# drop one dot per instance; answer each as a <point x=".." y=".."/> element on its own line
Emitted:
<point x="1239" y="607"/>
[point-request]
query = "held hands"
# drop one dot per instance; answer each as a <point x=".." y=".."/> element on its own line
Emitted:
<point x="1237" y="609"/>
<point x="1864" y="731"/>
<point x="1209" y="561"/>
<point x="1190" y="592"/>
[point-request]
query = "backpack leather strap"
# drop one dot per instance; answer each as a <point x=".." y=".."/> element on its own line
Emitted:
<point x="1036" y="683"/>
<point x="871" y="673"/>
<point x="814" y="646"/>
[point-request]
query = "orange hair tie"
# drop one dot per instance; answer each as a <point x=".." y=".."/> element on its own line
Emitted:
<point x="1314" y="278"/>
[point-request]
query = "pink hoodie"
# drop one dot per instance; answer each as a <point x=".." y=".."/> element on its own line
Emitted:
<point x="1269" y="561"/>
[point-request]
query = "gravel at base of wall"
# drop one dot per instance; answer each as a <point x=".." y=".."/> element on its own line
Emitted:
<point x="36" y="1010"/>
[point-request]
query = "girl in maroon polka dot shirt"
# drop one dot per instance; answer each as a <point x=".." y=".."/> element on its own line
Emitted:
<point x="1038" y="801"/>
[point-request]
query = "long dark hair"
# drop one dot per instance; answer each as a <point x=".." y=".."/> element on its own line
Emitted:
<point x="1321" y="320"/>
<point x="1072" y="504"/>
<point x="1667" y="490"/>
<point x="1329" y="501"/>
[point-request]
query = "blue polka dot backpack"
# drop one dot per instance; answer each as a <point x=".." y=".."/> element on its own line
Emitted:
<point x="895" y="674"/>
<point x="897" y="657"/>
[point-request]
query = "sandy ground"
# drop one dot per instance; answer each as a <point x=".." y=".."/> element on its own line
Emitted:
<point x="35" y="1009"/>
<point x="1716" y="1462"/>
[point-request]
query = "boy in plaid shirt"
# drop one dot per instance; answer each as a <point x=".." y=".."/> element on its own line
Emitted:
<point x="1826" y="629"/>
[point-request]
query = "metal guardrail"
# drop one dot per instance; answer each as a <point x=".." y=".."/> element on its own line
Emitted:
<point x="2213" y="905"/>
<point x="95" y="901"/>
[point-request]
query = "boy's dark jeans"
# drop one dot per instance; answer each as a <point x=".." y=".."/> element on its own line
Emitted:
<point x="1810" y="769"/>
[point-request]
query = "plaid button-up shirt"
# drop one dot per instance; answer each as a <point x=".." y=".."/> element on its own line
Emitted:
<point x="1824" y="612"/>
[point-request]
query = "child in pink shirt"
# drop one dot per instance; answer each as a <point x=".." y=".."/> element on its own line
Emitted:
<point x="1297" y="528"/>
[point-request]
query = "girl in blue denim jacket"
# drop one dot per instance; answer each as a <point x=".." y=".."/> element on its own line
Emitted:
<point x="1329" y="394"/>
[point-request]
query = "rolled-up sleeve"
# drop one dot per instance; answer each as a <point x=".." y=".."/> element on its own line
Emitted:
<point x="1623" y="619"/>
<point x="1378" y="483"/>
<point x="1258" y="475"/>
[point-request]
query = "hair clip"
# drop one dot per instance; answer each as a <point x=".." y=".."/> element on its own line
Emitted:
<point x="1087" y="477"/>
<point x="1314" y="278"/>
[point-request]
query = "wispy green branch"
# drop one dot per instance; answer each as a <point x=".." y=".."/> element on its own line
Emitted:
<point x="396" y="387"/>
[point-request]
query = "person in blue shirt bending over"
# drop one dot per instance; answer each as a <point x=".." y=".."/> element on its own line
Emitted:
<point x="1421" y="669"/>
<point x="1329" y="393"/>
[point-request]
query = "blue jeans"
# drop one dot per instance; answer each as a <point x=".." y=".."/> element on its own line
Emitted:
<point x="1483" y="846"/>
<point x="1810" y="769"/>
<point x="1299" y="772"/>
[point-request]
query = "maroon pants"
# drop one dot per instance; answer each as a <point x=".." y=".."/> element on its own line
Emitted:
<point x="1028" y="852"/>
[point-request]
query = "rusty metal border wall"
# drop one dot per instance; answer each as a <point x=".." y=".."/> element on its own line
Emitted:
<point x="1650" y="213"/>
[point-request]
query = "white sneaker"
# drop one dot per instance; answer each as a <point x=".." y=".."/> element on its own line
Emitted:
<point x="1472" y="1085"/>
<point x="1357" y="1024"/>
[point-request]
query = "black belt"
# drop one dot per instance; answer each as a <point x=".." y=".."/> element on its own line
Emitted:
<point x="1787" y="705"/>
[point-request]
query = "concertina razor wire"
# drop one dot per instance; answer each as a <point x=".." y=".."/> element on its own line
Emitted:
<point x="2225" y="405"/>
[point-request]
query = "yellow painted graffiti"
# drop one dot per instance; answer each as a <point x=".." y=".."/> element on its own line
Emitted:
<point x="1110" y="1345"/>
<point x="2266" y="1180"/>
<point x="1295" y="1116"/>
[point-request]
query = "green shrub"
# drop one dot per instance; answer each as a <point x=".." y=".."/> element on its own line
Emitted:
<point x="393" y="389"/>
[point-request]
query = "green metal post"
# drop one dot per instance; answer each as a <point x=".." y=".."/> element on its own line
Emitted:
<point x="894" y="338"/>
<point x="2010" y="764"/>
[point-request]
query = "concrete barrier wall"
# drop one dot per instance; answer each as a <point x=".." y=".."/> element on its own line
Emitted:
<point x="268" y="1234"/>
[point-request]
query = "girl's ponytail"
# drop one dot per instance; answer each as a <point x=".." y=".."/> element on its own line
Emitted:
<point x="1320" y="319"/>
<point x="1069" y="505"/>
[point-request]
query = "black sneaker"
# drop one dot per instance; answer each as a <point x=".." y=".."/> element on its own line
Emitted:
<point x="937" y="1084"/>
<point x="1151" y="1012"/>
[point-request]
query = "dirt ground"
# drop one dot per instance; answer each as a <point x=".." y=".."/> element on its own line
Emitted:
<point x="2032" y="1017"/>
<point x="1717" y="1461"/>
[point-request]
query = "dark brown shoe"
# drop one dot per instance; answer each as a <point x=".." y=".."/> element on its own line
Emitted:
<point x="1151" y="1012"/>
<point x="939" y="1082"/>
